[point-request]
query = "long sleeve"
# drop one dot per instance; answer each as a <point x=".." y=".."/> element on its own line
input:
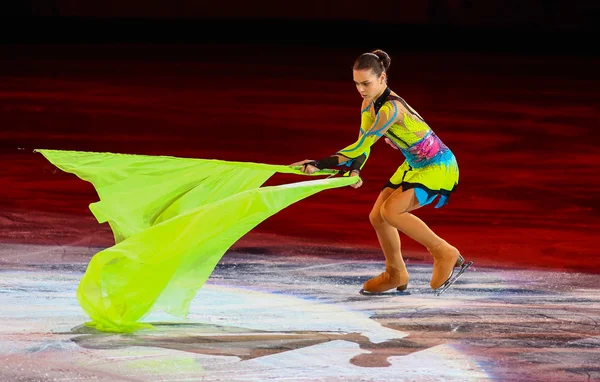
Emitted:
<point x="355" y="155"/>
<point x="385" y="118"/>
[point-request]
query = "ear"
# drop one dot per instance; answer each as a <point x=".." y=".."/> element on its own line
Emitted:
<point x="382" y="78"/>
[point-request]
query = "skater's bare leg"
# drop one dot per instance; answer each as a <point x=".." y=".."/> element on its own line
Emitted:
<point x="388" y="236"/>
<point x="395" y="275"/>
<point x="395" y="211"/>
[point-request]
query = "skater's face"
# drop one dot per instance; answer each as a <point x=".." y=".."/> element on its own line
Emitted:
<point x="368" y="84"/>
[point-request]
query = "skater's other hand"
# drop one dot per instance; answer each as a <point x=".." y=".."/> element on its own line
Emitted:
<point x="357" y="184"/>
<point x="387" y="140"/>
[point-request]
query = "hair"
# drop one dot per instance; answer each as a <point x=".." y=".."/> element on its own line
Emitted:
<point x="377" y="60"/>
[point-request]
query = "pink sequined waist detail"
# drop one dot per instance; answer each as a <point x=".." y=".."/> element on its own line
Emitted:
<point x="427" y="151"/>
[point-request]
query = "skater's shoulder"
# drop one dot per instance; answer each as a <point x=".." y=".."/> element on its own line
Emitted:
<point x="366" y="106"/>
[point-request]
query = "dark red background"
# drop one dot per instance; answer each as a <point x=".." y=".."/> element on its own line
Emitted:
<point x="520" y="110"/>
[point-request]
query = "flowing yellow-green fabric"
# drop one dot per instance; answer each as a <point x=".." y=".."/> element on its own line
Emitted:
<point x="173" y="219"/>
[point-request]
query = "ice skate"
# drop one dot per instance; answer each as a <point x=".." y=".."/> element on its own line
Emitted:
<point x="453" y="278"/>
<point x="393" y="278"/>
<point x="445" y="259"/>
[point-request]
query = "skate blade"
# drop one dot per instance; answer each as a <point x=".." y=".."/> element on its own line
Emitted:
<point x="452" y="279"/>
<point x="392" y="292"/>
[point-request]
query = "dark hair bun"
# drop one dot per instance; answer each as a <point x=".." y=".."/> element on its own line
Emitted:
<point x="385" y="59"/>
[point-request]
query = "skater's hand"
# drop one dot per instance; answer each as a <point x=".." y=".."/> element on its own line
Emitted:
<point x="306" y="168"/>
<point x="301" y="162"/>
<point x="309" y="169"/>
<point x="357" y="184"/>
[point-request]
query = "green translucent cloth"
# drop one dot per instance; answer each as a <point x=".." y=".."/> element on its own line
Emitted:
<point x="173" y="219"/>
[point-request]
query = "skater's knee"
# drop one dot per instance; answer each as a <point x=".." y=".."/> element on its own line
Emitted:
<point x="390" y="212"/>
<point x="375" y="218"/>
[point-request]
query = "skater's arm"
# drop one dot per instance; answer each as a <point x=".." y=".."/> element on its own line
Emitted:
<point x="356" y="154"/>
